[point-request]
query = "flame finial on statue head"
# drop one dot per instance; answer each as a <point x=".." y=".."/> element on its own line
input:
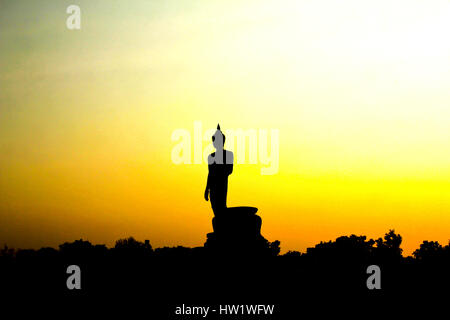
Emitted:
<point x="218" y="133"/>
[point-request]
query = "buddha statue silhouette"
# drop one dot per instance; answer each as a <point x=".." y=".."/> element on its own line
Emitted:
<point x="220" y="166"/>
<point x="235" y="228"/>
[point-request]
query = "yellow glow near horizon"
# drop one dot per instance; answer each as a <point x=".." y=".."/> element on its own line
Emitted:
<point x="359" y="91"/>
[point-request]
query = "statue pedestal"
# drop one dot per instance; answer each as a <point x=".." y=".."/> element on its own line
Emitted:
<point x="238" y="221"/>
<point x="237" y="231"/>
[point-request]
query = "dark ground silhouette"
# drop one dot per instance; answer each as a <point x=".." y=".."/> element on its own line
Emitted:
<point x="159" y="279"/>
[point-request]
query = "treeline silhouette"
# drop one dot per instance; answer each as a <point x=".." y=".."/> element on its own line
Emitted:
<point x="386" y="249"/>
<point x="168" y="276"/>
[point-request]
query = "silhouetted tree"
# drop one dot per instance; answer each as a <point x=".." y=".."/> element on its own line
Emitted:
<point x="388" y="248"/>
<point x="76" y="246"/>
<point x="132" y="244"/>
<point x="429" y="250"/>
<point x="173" y="252"/>
<point x="274" y="248"/>
<point x="132" y="248"/>
<point x="346" y="248"/>
<point x="292" y="254"/>
<point x="7" y="255"/>
<point x="7" y="252"/>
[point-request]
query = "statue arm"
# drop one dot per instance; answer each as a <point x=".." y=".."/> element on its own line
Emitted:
<point x="207" y="186"/>
<point x="229" y="161"/>
<point x="229" y="168"/>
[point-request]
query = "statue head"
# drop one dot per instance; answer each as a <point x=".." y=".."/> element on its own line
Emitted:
<point x="218" y="138"/>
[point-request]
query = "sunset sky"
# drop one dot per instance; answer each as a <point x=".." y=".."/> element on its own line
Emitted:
<point x="359" y="91"/>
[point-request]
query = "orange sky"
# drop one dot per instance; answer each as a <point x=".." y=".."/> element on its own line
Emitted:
<point x="358" y="91"/>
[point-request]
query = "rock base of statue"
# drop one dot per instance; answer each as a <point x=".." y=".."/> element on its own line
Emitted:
<point x="237" y="231"/>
